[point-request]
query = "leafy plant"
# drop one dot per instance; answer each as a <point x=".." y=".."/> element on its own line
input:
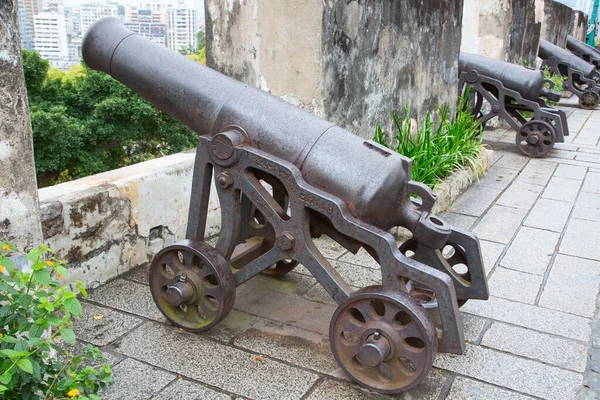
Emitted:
<point x="436" y="151"/>
<point x="85" y="122"/>
<point x="36" y="313"/>
<point x="557" y="79"/>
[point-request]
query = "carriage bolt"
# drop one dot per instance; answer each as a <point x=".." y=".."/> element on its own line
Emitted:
<point x="286" y="241"/>
<point x="224" y="180"/>
<point x="374" y="351"/>
<point x="180" y="292"/>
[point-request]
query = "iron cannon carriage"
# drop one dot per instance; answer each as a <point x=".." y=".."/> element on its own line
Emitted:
<point x="580" y="77"/>
<point x="514" y="93"/>
<point x="284" y="177"/>
<point x="584" y="51"/>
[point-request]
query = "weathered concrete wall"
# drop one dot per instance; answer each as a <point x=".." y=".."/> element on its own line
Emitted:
<point x="19" y="209"/>
<point x="351" y="62"/>
<point x="106" y="224"/>
<point x="557" y="21"/>
<point x="506" y="30"/>
<point x="579" y="24"/>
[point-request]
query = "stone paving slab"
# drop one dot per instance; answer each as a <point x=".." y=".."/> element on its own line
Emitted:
<point x="475" y="200"/>
<point x="581" y="239"/>
<point x="147" y="381"/>
<point x="184" y="389"/>
<point x="218" y="365"/>
<point x="516" y="373"/>
<point x="532" y="317"/>
<point x="567" y="354"/>
<point x="500" y="224"/>
<point x="587" y="207"/>
<point x="531" y="251"/>
<point x="572" y="286"/>
<point x="468" y="389"/>
<point x="550" y="215"/>
<point x="562" y="189"/>
<point x="287" y="343"/>
<point x="100" y="326"/>
<point x="515" y="285"/>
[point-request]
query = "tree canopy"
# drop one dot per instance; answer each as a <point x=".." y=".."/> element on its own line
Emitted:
<point x="85" y="122"/>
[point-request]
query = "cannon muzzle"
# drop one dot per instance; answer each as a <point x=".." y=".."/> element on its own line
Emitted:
<point x="528" y="82"/>
<point x="374" y="182"/>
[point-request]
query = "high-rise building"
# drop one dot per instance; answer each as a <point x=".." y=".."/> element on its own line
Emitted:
<point x="25" y="28"/>
<point x="90" y="13"/>
<point x="153" y="31"/>
<point x="181" y="29"/>
<point x="31" y="8"/>
<point x="51" y="33"/>
<point x="146" y="13"/>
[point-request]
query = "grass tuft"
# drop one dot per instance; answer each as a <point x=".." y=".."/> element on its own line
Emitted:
<point x="437" y="151"/>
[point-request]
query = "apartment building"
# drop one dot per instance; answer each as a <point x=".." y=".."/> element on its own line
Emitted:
<point x="90" y="13"/>
<point x="181" y="28"/>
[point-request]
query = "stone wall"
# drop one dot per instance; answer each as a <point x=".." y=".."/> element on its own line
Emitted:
<point x="506" y="30"/>
<point x="579" y="24"/>
<point x="19" y="215"/>
<point x="351" y="62"/>
<point x="557" y="21"/>
<point x="105" y="224"/>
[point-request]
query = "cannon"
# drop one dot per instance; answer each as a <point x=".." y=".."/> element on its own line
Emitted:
<point x="283" y="178"/>
<point x="579" y="76"/>
<point x="514" y="93"/>
<point x="584" y="51"/>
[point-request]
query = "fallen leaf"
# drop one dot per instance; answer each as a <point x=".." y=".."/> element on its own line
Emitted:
<point x="98" y="316"/>
<point x="258" y="358"/>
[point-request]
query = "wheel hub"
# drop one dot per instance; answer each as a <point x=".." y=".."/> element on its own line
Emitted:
<point x="180" y="292"/>
<point x="374" y="351"/>
<point x="534" y="139"/>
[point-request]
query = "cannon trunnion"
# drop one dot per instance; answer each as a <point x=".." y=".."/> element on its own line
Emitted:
<point x="284" y="177"/>
<point x="580" y="77"/>
<point x="515" y="94"/>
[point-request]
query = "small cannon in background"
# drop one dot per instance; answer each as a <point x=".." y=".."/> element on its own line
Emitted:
<point x="284" y="177"/>
<point x="584" y="51"/>
<point x="512" y="91"/>
<point x="580" y="77"/>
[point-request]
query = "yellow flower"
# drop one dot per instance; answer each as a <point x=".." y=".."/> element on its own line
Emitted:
<point x="49" y="263"/>
<point x="59" y="276"/>
<point x="1" y="268"/>
<point x="5" y="248"/>
<point x="73" y="393"/>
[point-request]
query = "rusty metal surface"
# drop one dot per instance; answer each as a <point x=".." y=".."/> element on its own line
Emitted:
<point x="383" y="339"/>
<point x="584" y="51"/>
<point x="192" y="285"/>
<point x="512" y="91"/>
<point x="285" y="177"/>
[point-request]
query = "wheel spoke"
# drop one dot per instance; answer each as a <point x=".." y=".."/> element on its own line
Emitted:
<point x="412" y="330"/>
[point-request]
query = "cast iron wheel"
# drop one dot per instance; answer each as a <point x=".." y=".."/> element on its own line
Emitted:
<point x="192" y="285"/>
<point x="536" y="138"/>
<point x="383" y="339"/>
<point x="453" y="255"/>
<point x="280" y="269"/>
<point x="589" y="100"/>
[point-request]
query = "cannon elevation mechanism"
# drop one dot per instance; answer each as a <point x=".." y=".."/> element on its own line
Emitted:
<point x="517" y="95"/>
<point x="284" y="177"/>
<point x="579" y="76"/>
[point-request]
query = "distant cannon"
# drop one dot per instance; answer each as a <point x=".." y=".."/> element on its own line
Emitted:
<point x="513" y="92"/>
<point x="584" y="51"/>
<point x="580" y="77"/>
<point x="284" y="177"/>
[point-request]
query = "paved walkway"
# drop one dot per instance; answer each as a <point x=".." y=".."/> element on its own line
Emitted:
<point x="539" y="226"/>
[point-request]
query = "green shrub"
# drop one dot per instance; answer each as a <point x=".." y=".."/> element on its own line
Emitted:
<point x="36" y="313"/>
<point x="558" y="83"/>
<point x="436" y="151"/>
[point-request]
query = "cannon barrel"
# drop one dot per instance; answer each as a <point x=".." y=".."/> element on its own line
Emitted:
<point x="526" y="81"/>
<point x="370" y="179"/>
<point x="580" y="48"/>
<point x="548" y="50"/>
